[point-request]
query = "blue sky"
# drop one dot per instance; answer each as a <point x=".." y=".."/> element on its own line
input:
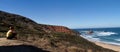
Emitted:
<point x="70" y="13"/>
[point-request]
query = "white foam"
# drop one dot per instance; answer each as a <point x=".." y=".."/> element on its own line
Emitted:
<point x="94" y="36"/>
<point x="90" y="38"/>
<point x="105" y="33"/>
<point x="100" y="33"/>
<point x="117" y="39"/>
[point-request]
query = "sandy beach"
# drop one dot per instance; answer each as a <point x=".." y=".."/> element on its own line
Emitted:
<point x="109" y="46"/>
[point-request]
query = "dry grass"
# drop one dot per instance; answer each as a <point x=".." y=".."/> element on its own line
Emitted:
<point x="39" y="36"/>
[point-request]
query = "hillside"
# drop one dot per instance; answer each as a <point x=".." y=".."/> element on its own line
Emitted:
<point x="48" y="37"/>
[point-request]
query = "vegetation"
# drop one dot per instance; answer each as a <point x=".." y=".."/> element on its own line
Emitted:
<point x="39" y="36"/>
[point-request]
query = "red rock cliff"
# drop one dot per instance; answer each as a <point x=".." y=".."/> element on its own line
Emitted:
<point x="59" y="29"/>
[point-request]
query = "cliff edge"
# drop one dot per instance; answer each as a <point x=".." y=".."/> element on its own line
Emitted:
<point x="48" y="37"/>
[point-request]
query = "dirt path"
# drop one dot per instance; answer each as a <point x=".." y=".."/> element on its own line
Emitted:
<point x="17" y="46"/>
<point x="7" y="42"/>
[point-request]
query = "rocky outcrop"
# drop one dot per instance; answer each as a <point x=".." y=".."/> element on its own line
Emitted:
<point x="62" y="29"/>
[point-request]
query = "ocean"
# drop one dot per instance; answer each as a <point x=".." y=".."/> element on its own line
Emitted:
<point x="105" y="35"/>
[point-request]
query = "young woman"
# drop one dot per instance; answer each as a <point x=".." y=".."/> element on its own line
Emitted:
<point x="11" y="33"/>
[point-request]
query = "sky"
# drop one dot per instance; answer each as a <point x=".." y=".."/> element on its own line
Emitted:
<point x="70" y="13"/>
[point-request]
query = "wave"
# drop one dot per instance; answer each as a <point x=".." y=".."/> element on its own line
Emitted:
<point x="99" y="33"/>
<point x="100" y="36"/>
<point x="96" y="35"/>
<point x="117" y="39"/>
<point x="90" y="38"/>
<point x="105" y="33"/>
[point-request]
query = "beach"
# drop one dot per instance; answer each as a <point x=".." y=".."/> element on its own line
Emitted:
<point x="108" y="46"/>
<point x="105" y="37"/>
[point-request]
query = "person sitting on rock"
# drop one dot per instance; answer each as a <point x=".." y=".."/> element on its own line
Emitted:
<point x="11" y="33"/>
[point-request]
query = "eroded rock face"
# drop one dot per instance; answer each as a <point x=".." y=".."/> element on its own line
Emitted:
<point x="62" y="29"/>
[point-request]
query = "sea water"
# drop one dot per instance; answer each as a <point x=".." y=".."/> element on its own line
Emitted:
<point x="105" y="35"/>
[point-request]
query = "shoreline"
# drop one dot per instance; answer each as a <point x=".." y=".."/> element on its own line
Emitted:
<point x="105" y="45"/>
<point x="108" y="46"/>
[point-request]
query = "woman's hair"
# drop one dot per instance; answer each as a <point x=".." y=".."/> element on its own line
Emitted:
<point x="11" y="27"/>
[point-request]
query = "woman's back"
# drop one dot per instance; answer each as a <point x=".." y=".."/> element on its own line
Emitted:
<point x="11" y="33"/>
